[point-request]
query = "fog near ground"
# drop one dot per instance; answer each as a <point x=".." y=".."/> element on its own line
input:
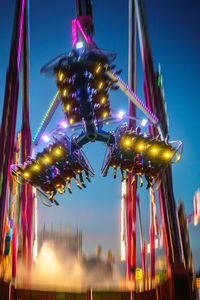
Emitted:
<point x="55" y="269"/>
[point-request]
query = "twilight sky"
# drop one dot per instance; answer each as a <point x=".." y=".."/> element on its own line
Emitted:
<point x="174" y="35"/>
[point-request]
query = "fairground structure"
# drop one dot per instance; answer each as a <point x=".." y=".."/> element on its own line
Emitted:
<point x="84" y="77"/>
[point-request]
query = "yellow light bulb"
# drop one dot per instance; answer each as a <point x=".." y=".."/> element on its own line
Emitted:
<point x="127" y="142"/>
<point x="103" y="100"/>
<point x="167" y="155"/>
<point x="60" y="76"/>
<point x="105" y="114"/>
<point x="141" y="147"/>
<point x="101" y="85"/>
<point x="98" y="69"/>
<point x="154" y="150"/>
<point x="71" y="121"/>
<point x="47" y="159"/>
<point x="64" y="93"/>
<point x="68" y="106"/>
<point x="26" y="174"/>
<point x="58" y="151"/>
<point x="36" y="167"/>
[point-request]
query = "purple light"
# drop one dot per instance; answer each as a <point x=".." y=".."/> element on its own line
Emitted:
<point x="120" y="115"/>
<point x="74" y="33"/>
<point x="64" y="124"/>
<point x="20" y="34"/>
<point x="144" y="123"/>
<point x="45" y="138"/>
<point x="87" y="38"/>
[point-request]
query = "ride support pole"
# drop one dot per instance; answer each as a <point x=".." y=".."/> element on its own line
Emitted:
<point x="132" y="189"/>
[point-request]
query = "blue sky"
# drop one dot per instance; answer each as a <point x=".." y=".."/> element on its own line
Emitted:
<point x="174" y="35"/>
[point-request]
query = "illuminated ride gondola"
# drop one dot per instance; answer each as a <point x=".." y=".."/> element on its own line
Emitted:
<point x="55" y="166"/>
<point x="83" y="83"/>
<point x="140" y="154"/>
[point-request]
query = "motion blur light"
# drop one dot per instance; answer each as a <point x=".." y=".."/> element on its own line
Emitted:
<point x="71" y="121"/>
<point x="26" y="174"/>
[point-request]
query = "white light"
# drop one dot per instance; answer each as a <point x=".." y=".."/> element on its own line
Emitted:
<point x="79" y="45"/>
<point x="46" y="138"/>
<point x="148" y="248"/>
<point x="144" y="122"/>
<point x="123" y="188"/>
<point x="63" y="124"/>
<point x="120" y="115"/>
<point x="156" y="243"/>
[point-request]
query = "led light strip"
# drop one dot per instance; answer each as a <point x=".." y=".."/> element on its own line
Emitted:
<point x="133" y="97"/>
<point x="50" y="110"/>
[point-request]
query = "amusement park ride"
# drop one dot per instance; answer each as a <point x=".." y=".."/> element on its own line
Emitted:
<point x="84" y="77"/>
